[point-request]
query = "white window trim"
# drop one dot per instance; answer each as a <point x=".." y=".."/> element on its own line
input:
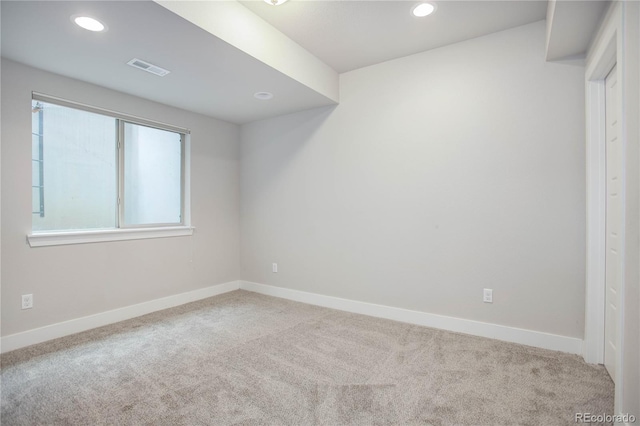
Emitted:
<point x="56" y="238"/>
<point x="43" y="239"/>
<point x="108" y="112"/>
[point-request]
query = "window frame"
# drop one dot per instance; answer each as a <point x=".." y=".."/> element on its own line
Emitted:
<point x="121" y="231"/>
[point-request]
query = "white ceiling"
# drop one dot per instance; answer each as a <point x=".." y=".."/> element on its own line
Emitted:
<point x="348" y="35"/>
<point x="207" y="75"/>
<point x="212" y="70"/>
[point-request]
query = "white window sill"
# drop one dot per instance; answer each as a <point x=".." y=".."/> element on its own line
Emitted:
<point x="41" y="239"/>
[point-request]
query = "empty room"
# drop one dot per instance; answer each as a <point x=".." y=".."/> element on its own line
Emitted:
<point x="305" y="212"/>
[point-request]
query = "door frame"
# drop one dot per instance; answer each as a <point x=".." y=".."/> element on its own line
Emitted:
<point x="603" y="56"/>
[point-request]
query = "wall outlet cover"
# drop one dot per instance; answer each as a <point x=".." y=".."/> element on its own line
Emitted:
<point x="27" y="301"/>
<point x="487" y="295"/>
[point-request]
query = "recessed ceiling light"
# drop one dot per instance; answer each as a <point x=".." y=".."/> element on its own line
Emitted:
<point x="88" y="23"/>
<point x="275" y="2"/>
<point x="263" y="96"/>
<point x="423" y="9"/>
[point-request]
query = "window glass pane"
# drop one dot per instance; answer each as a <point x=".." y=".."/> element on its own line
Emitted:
<point x="36" y="154"/>
<point x="35" y="147"/>
<point x="152" y="176"/>
<point x="79" y="168"/>
<point x="35" y="174"/>
<point x="35" y="200"/>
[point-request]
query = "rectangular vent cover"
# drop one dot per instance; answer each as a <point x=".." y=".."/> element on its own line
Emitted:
<point x="146" y="66"/>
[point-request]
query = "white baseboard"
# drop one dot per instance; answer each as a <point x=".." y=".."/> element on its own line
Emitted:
<point x="476" y="328"/>
<point x="65" y="328"/>
<point x="500" y="332"/>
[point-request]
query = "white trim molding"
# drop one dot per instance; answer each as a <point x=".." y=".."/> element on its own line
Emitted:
<point x="603" y="55"/>
<point x="77" y="325"/>
<point x="493" y="331"/>
<point x="596" y="221"/>
<point x="42" y="239"/>
<point x="104" y="111"/>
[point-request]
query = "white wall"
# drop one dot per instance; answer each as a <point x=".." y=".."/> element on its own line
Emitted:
<point x="77" y="280"/>
<point x="438" y="174"/>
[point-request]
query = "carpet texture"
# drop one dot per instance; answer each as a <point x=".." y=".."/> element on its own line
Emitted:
<point x="248" y="359"/>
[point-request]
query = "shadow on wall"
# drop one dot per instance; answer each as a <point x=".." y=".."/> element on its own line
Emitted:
<point x="277" y="149"/>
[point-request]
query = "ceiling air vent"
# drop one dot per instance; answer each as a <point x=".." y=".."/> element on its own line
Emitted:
<point x="146" y="66"/>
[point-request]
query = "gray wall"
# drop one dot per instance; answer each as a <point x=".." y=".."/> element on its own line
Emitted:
<point x="78" y="280"/>
<point x="438" y="174"/>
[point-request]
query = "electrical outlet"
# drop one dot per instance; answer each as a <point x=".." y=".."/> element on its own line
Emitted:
<point x="27" y="301"/>
<point x="274" y="267"/>
<point x="487" y="295"/>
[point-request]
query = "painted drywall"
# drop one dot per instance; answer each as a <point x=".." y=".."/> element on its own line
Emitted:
<point x="438" y="175"/>
<point x="235" y="24"/>
<point x="74" y="281"/>
<point x="571" y="26"/>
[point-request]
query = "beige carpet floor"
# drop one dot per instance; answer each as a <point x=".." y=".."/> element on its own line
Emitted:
<point x="248" y="359"/>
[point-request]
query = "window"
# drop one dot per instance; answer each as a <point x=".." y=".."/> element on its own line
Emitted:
<point x="96" y="171"/>
<point x="151" y="176"/>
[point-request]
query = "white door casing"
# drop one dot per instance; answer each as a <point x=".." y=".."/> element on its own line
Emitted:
<point x="614" y="205"/>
